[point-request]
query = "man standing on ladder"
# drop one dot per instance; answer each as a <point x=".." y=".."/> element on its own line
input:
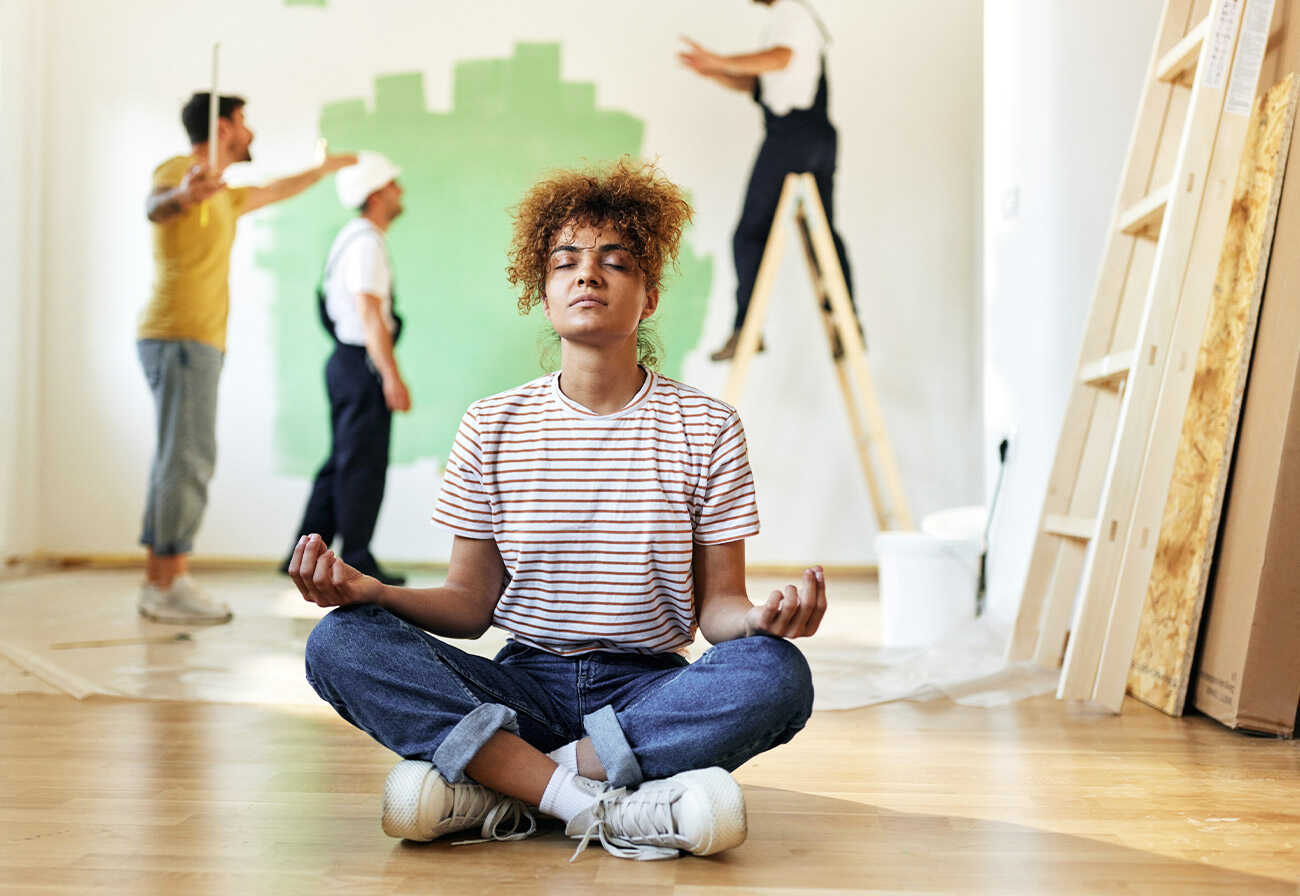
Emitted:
<point x="365" y="385"/>
<point x="788" y="80"/>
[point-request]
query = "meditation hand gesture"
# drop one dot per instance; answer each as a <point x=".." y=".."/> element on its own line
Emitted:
<point x="327" y="581"/>
<point x="792" y="612"/>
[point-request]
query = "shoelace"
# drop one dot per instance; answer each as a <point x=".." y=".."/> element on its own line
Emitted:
<point x="504" y="811"/>
<point x="615" y="822"/>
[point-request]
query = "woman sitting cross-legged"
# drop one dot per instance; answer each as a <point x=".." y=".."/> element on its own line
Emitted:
<point x="599" y="515"/>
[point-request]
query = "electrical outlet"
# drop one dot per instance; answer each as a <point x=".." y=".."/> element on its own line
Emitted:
<point x="1011" y="203"/>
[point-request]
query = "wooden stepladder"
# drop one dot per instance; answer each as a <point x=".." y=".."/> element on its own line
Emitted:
<point x="800" y="206"/>
<point x="1091" y="559"/>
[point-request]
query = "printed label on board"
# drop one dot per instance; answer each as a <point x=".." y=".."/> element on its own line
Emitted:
<point x="1250" y="56"/>
<point x="1217" y="55"/>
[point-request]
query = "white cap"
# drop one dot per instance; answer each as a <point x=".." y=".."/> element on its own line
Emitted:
<point x="356" y="182"/>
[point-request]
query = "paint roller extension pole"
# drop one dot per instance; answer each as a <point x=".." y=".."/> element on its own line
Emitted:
<point x="213" y="107"/>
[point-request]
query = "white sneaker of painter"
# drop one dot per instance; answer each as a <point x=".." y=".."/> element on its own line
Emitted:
<point x="419" y="804"/>
<point x="701" y="812"/>
<point x="184" y="603"/>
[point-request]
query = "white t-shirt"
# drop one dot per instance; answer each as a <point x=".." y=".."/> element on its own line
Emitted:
<point x="792" y="24"/>
<point x="358" y="262"/>
<point x="596" y="516"/>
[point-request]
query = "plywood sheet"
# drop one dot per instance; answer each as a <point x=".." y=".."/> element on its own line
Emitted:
<point x="1176" y="593"/>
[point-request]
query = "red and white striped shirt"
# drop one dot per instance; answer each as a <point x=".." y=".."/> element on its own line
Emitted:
<point x="596" y="515"/>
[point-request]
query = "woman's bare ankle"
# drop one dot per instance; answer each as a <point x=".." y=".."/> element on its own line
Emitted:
<point x="589" y="764"/>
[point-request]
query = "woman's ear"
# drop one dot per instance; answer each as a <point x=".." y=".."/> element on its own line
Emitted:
<point x="651" y="302"/>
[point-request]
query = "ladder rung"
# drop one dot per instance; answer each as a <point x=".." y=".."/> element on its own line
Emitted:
<point x="1076" y="527"/>
<point x="1106" y="372"/>
<point x="1144" y="217"/>
<point x="1178" y="66"/>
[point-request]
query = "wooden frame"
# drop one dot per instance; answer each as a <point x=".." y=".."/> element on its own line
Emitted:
<point x="1126" y="406"/>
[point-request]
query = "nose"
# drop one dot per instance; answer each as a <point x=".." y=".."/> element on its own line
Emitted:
<point x="588" y="270"/>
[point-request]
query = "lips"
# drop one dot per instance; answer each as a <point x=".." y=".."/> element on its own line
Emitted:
<point x="587" y="299"/>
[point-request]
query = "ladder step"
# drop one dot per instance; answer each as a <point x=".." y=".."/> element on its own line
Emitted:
<point x="1076" y="527"/>
<point x="1145" y="216"/>
<point x="1107" y="372"/>
<point x="1178" y="66"/>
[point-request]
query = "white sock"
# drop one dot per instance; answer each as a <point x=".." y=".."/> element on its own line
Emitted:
<point x="565" y="798"/>
<point x="566" y="756"/>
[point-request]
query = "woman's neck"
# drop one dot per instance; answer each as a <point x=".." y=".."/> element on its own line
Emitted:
<point x="601" y="380"/>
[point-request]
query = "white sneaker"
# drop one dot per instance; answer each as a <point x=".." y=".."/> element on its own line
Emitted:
<point x="184" y="603"/>
<point x="419" y="804"/>
<point x="701" y="811"/>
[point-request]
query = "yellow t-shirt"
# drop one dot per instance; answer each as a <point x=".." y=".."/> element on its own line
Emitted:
<point x="191" y="290"/>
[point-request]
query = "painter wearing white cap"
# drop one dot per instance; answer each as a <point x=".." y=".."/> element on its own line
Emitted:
<point x="372" y="171"/>
<point x="364" y="381"/>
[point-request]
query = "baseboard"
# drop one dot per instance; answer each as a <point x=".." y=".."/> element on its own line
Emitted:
<point x="46" y="561"/>
<point x="833" y="571"/>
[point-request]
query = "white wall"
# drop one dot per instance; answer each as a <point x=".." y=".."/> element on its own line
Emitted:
<point x="1061" y="86"/>
<point x="905" y="95"/>
<point x="21" y="60"/>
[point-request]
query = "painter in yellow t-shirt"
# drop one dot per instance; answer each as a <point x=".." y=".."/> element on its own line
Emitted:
<point x="191" y="290"/>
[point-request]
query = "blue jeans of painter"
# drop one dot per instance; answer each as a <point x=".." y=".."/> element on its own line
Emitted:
<point x="648" y="717"/>
<point x="183" y="376"/>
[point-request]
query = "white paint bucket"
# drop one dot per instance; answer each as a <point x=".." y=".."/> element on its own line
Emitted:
<point x="927" y="586"/>
<point x="957" y="522"/>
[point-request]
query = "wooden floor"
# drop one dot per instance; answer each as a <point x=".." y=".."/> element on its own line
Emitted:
<point x="122" y="796"/>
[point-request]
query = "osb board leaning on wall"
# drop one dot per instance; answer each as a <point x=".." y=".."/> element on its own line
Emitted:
<point x="1176" y="593"/>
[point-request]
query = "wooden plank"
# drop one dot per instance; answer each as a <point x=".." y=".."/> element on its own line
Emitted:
<point x="1076" y="527"/>
<point x="1178" y="66"/>
<point x="1175" y="596"/>
<point x="1107" y="372"/>
<point x="1039" y="627"/>
<point x="1145" y="216"/>
<point x="1191" y="207"/>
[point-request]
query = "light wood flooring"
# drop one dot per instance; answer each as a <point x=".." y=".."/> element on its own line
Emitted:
<point x="120" y="796"/>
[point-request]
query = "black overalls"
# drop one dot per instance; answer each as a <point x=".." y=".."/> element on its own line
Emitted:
<point x="349" y="487"/>
<point x="801" y="140"/>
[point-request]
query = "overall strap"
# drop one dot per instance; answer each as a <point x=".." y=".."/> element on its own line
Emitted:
<point x="321" y="307"/>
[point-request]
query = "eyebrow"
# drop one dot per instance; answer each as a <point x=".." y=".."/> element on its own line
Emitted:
<point x="608" y="247"/>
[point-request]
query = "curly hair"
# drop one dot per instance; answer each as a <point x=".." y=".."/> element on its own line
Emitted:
<point x="648" y="211"/>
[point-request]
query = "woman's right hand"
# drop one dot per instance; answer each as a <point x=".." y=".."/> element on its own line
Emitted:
<point x="325" y="580"/>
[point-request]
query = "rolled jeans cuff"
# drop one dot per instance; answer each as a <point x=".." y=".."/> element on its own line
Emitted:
<point x="464" y="741"/>
<point x="612" y="748"/>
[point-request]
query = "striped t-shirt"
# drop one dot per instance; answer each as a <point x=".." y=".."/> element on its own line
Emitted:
<point x="596" y="515"/>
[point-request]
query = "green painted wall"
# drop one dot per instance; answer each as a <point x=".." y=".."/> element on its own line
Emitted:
<point x="512" y="121"/>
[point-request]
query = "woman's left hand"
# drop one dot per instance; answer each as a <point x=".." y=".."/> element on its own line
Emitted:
<point x="792" y="612"/>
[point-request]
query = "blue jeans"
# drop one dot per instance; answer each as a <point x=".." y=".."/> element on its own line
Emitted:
<point x="183" y="377"/>
<point x="648" y="717"/>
